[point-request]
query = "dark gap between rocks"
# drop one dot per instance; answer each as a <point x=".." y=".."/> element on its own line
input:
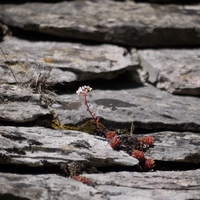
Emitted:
<point x="7" y="196"/>
<point x="175" y="166"/>
<point x="56" y="169"/>
<point x="33" y="35"/>
<point x="46" y="122"/>
<point x="24" y="169"/>
<point x="122" y="81"/>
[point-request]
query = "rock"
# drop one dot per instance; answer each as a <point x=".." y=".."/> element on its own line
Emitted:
<point x="3" y="31"/>
<point x="149" y="25"/>
<point x="146" y="106"/>
<point x="70" y="61"/>
<point x="39" y="145"/>
<point x="176" y="147"/>
<point x="152" y="185"/>
<point x="21" y="111"/>
<point x="17" y="93"/>
<point x="120" y="185"/>
<point x="19" y="103"/>
<point x="170" y="1"/>
<point x="175" y="70"/>
<point x="42" y="187"/>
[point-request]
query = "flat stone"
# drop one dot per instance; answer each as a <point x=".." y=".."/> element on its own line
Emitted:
<point x="175" y="70"/>
<point x="69" y="61"/>
<point x="126" y="23"/>
<point x="146" y="106"/>
<point x="57" y="147"/>
<point x="42" y="187"/>
<point x="152" y="185"/>
<point x="120" y="185"/>
<point x="21" y="111"/>
<point x="17" y="93"/>
<point x="170" y="1"/>
<point x="176" y="147"/>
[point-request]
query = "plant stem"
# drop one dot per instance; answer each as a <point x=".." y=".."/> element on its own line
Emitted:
<point x="88" y="107"/>
<point x="9" y="65"/>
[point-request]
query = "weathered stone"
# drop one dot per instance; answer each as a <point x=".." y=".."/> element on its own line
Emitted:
<point x="176" y="147"/>
<point x="120" y="185"/>
<point x="126" y="23"/>
<point x="17" y="93"/>
<point x="146" y="106"/>
<point x="176" y="70"/>
<point x="57" y="147"/>
<point x="170" y="1"/>
<point x="21" y="111"/>
<point x="43" y="187"/>
<point x="152" y="185"/>
<point x="70" y="61"/>
<point x="3" y="31"/>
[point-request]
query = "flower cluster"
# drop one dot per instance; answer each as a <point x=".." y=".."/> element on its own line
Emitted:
<point x="138" y="154"/>
<point x="83" y="90"/>
<point x="110" y="135"/>
<point x="114" y="143"/>
<point x="132" y="145"/>
<point x="149" y="164"/>
<point x="146" y="163"/>
<point x="81" y="179"/>
<point x="147" y="140"/>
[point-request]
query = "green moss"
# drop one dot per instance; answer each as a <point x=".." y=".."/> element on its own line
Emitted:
<point x="91" y="127"/>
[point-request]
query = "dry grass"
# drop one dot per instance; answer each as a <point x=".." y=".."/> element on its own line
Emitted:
<point x="39" y="83"/>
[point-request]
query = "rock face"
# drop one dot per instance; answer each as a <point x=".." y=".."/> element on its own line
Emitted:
<point x="120" y="185"/>
<point x="146" y="106"/>
<point x="176" y="146"/>
<point x="177" y="71"/>
<point x="136" y="92"/>
<point x="60" y="188"/>
<point x="70" y="61"/>
<point x="148" y="25"/>
<point x="57" y="147"/>
<point x="129" y="185"/>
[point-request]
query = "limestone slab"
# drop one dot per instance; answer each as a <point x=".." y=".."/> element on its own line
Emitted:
<point x="152" y="185"/>
<point x="69" y="61"/>
<point x="37" y="144"/>
<point x="146" y="106"/>
<point x="175" y="70"/>
<point x="120" y="185"/>
<point x="170" y="1"/>
<point x="42" y="187"/>
<point x="176" y="147"/>
<point x="126" y="23"/>
<point x="21" y="111"/>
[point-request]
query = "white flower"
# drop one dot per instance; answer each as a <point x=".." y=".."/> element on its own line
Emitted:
<point x="83" y="90"/>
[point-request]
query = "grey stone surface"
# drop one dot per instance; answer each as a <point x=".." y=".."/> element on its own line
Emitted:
<point x="21" y="111"/>
<point x="70" y="61"/>
<point x="58" y="147"/>
<point x="175" y="70"/>
<point x="43" y="187"/>
<point x="120" y="185"/>
<point x="17" y="93"/>
<point x="176" y="147"/>
<point x="152" y="185"/>
<point x="170" y="1"/>
<point x="173" y="120"/>
<point x="146" y="106"/>
<point x="127" y="23"/>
